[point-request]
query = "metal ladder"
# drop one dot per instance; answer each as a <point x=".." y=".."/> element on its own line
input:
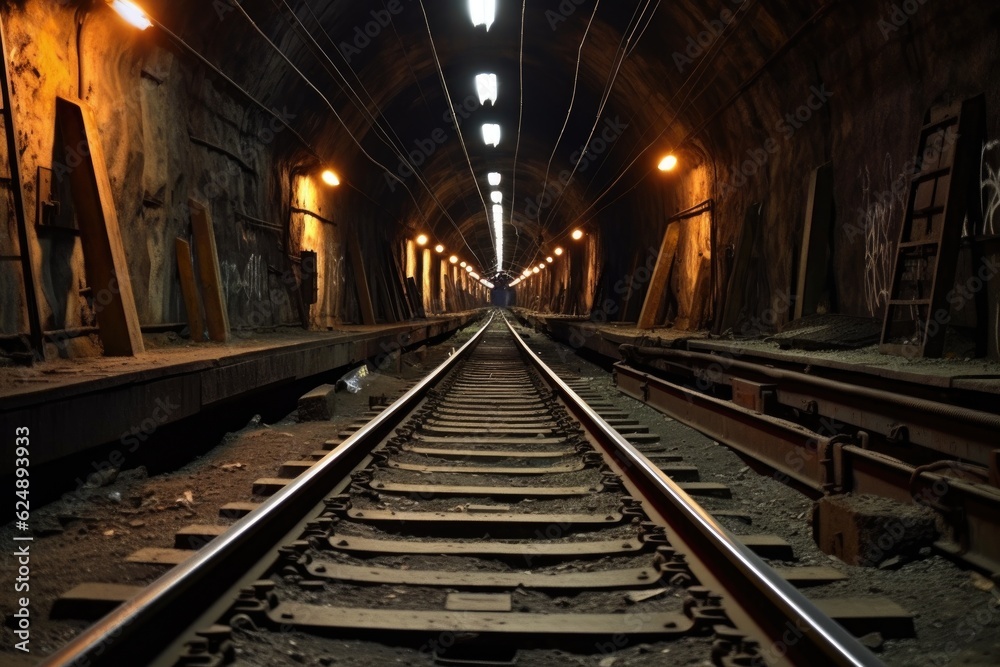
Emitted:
<point x="939" y="195"/>
<point x="13" y="181"/>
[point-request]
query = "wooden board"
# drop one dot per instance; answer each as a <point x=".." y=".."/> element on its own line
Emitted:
<point x="745" y="261"/>
<point x="100" y="237"/>
<point x="660" y="279"/>
<point x="209" y="275"/>
<point x="814" y="259"/>
<point x="415" y="297"/>
<point x="361" y="281"/>
<point x="189" y="289"/>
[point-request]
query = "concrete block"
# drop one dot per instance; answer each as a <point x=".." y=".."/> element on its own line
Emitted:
<point x="869" y="530"/>
<point x="318" y="404"/>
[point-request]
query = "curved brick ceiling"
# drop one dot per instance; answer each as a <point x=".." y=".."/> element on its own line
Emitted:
<point x="664" y="87"/>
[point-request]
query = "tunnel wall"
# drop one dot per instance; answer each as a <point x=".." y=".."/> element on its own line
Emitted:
<point x="853" y="91"/>
<point x="170" y="130"/>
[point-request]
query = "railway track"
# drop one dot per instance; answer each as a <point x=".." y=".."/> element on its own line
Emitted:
<point x="488" y="512"/>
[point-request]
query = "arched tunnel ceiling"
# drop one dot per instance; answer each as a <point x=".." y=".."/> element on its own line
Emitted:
<point x="383" y="50"/>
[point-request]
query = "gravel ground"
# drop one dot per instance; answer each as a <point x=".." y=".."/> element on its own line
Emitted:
<point x="957" y="611"/>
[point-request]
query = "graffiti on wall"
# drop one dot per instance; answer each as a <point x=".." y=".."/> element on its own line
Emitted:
<point x="990" y="186"/>
<point x="880" y="207"/>
<point x="249" y="283"/>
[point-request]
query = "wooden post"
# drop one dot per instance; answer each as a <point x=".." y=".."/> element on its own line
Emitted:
<point x="189" y="289"/>
<point x="660" y="279"/>
<point x="442" y="283"/>
<point x="426" y="280"/>
<point x="814" y="260"/>
<point x="361" y="281"/>
<point x="100" y="237"/>
<point x="208" y="272"/>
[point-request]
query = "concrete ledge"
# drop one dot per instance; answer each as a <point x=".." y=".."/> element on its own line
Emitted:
<point x="318" y="404"/>
<point x="97" y="402"/>
<point x="870" y="531"/>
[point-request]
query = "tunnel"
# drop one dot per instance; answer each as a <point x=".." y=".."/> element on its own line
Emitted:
<point x="772" y="223"/>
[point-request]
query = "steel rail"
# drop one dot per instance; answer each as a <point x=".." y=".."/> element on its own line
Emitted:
<point x="795" y="630"/>
<point x="985" y="420"/>
<point x="138" y="630"/>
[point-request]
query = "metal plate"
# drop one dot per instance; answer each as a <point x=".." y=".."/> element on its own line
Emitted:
<point x="486" y="548"/>
<point x="478" y="518"/>
<point x="481" y="470"/>
<point x="430" y="490"/>
<point x="301" y="615"/>
<point x="630" y="578"/>
<point x="488" y="454"/>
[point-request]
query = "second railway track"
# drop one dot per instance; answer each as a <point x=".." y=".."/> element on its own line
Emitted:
<point x="488" y="511"/>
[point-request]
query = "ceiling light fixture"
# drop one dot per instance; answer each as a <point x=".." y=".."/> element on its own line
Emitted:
<point x="487" y="87"/>
<point x="483" y="12"/>
<point x="494" y="178"/>
<point x="496" y="197"/>
<point x="439" y="248"/>
<point x="422" y="239"/>
<point x="491" y="134"/>
<point x="577" y="234"/>
<point x="453" y="259"/>
<point x="558" y="251"/>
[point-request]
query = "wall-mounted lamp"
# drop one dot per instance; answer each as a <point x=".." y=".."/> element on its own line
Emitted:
<point x="668" y="163"/>
<point x="131" y="12"/>
<point x="330" y="178"/>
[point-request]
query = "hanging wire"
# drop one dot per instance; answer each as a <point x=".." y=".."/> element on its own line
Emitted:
<point x="572" y="100"/>
<point x="451" y="108"/>
<point x="702" y="66"/>
<point x="358" y="102"/>
<point x="608" y="88"/>
<point x="609" y="85"/>
<point x="517" y="146"/>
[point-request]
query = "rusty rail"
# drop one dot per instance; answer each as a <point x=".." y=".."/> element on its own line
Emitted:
<point x="756" y="598"/>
